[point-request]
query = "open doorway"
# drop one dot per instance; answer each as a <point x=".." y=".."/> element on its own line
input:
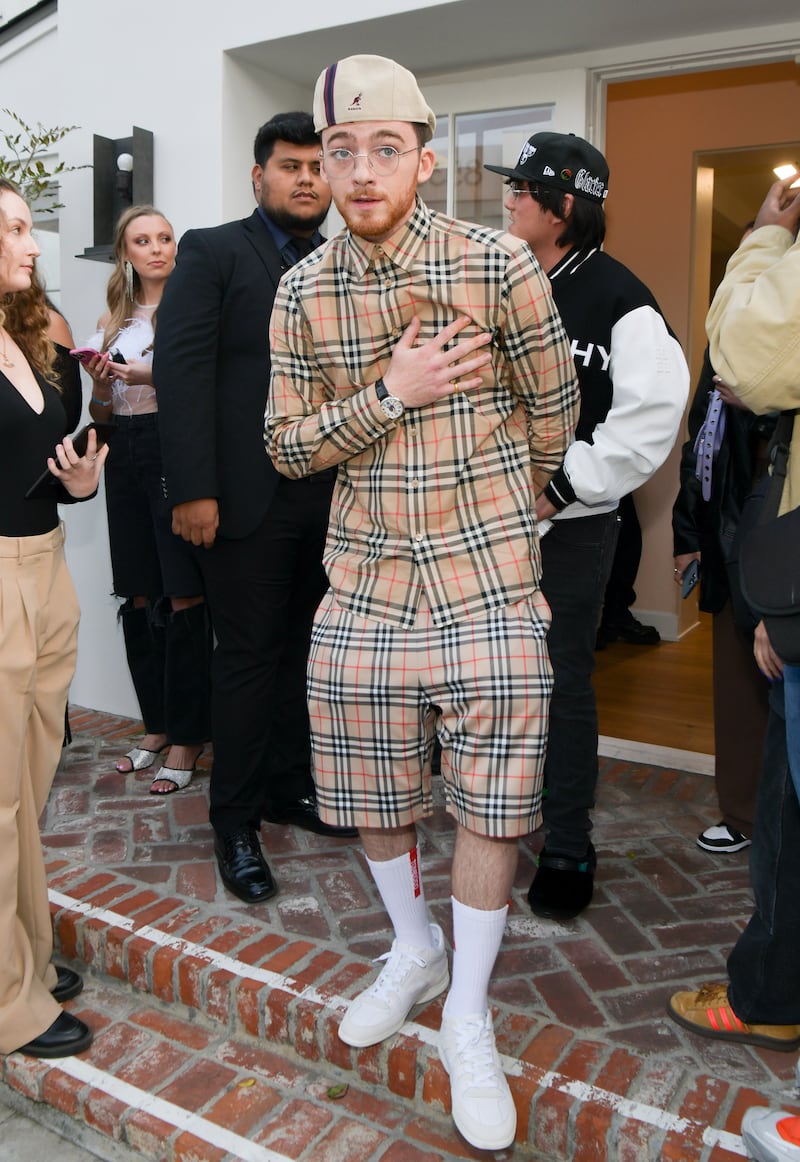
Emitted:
<point x="730" y="185"/>
<point x="661" y="697"/>
<point x="661" y="133"/>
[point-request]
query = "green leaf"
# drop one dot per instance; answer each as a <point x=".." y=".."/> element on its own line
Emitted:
<point x="22" y="162"/>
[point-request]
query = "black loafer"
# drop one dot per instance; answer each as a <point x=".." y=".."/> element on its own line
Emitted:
<point x="305" y="813"/>
<point x="68" y="985"/>
<point x="630" y="630"/>
<point x="66" y="1035"/>
<point x="563" y="886"/>
<point x="242" y="866"/>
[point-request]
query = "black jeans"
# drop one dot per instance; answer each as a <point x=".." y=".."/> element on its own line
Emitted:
<point x="764" y="981"/>
<point x="576" y="559"/>
<point x="147" y="558"/>
<point x="263" y="591"/>
<point x="168" y="653"/>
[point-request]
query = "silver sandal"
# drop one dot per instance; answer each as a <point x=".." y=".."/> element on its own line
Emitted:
<point x="139" y="758"/>
<point x="179" y="777"/>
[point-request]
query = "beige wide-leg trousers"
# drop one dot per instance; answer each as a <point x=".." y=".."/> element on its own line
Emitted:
<point x="38" y="642"/>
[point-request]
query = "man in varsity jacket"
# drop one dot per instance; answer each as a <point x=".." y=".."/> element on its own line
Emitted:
<point x="634" y="384"/>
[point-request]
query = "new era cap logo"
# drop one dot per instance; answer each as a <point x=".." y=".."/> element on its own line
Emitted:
<point x="528" y="150"/>
<point x="547" y="172"/>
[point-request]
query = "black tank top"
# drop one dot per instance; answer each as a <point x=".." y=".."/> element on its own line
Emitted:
<point x="26" y="440"/>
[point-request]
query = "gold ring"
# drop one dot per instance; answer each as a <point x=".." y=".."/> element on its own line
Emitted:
<point x="455" y="384"/>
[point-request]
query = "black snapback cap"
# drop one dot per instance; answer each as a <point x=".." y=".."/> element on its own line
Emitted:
<point x="561" y="160"/>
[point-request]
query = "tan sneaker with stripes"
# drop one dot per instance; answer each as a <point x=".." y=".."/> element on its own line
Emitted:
<point x="708" y="1011"/>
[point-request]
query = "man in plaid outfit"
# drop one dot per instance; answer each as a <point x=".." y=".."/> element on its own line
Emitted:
<point x="423" y="356"/>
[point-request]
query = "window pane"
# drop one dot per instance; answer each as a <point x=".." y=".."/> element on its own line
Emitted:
<point x="434" y="193"/>
<point x="491" y="139"/>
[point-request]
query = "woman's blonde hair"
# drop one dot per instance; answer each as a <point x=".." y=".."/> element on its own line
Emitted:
<point x="26" y="315"/>
<point x="121" y="304"/>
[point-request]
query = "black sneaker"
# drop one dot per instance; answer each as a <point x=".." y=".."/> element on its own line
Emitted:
<point x="563" y="886"/>
<point x="722" y="837"/>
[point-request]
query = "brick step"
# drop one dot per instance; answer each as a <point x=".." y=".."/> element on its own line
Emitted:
<point x="282" y="998"/>
<point x="173" y="1086"/>
<point x="597" y="1070"/>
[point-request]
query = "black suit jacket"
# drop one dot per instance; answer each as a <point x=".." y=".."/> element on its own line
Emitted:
<point x="211" y="371"/>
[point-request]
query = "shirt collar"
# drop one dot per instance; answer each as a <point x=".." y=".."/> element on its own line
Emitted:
<point x="401" y="248"/>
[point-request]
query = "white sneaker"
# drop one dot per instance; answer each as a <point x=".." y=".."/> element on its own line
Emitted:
<point x="483" y="1109"/>
<point x="761" y="1137"/>
<point x="411" y="976"/>
<point x="722" y="838"/>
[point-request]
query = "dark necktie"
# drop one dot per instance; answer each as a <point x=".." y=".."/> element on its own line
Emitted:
<point x="297" y="248"/>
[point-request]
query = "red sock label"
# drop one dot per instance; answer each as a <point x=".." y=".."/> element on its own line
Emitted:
<point x="412" y="855"/>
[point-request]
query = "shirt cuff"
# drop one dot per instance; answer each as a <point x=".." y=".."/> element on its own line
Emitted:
<point x="559" y="491"/>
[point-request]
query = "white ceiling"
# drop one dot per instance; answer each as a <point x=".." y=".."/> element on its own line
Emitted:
<point x="462" y="34"/>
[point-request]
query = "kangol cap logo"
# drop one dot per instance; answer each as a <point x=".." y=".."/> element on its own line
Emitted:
<point x="355" y="103"/>
<point x="528" y="150"/>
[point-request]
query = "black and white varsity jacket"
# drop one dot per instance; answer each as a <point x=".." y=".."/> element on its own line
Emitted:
<point x="633" y="379"/>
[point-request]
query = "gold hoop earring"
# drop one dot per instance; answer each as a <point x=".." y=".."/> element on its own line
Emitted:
<point x="129" y="279"/>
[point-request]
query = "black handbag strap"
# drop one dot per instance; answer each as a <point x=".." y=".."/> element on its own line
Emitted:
<point x="779" y="458"/>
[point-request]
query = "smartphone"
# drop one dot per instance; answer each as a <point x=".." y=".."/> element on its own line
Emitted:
<point x="84" y="354"/>
<point x="47" y="482"/>
<point x="691" y="575"/>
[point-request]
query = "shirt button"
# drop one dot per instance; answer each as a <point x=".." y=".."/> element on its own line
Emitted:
<point x="415" y="484"/>
<point x="419" y="537"/>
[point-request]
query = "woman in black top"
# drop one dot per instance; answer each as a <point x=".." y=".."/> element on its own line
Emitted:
<point x="38" y="639"/>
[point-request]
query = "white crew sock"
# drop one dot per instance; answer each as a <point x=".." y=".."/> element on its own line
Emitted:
<point x="399" y="882"/>
<point x="477" y="936"/>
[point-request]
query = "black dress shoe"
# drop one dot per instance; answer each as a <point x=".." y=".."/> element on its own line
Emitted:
<point x="66" y="1035"/>
<point x="68" y="985"/>
<point x="563" y="886"/>
<point x="305" y="813"/>
<point x="242" y="866"/>
<point x="629" y="630"/>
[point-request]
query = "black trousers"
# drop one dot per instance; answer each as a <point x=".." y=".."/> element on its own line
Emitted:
<point x="764" y="982"/>
<point x="263" y="591"/>
<point x="576" y="559"/>
<point x="741" y="708"/>
<point x="620" y="594"/>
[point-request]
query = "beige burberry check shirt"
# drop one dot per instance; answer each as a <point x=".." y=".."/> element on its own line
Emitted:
<point x="441" y="501"/>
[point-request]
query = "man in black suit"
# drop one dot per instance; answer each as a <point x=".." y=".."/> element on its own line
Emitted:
<point x="259" y="536"/>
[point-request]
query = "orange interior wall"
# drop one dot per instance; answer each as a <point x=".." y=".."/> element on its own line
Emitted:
<point x="653" y="129"/>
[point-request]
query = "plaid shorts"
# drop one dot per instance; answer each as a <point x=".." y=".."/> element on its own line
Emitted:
<point x="377" y="694"/>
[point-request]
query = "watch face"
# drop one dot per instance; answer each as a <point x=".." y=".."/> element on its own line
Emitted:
<point x="392" y="407"/>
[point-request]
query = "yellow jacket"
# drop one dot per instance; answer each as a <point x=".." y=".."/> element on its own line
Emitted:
<point x="753" y="329"/>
